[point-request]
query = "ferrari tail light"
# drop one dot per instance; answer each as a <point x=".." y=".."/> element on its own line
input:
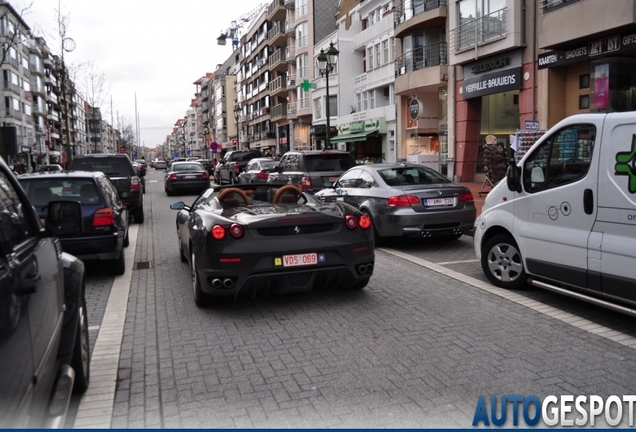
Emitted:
<point x="466" y="197"/>
<point x="236" y="230"/>
<point x="172" y="177"/>
<point x="364" y="222"/>
<point x="351" y="222"/>
<point x="218" y="232"/>
<point x="205" y="175"/>
<point x="135" y="183"/>
<point x="402" y="200"/>
<point x="263" y="175"/>
<point x="305" y="182"/>
<point x="103" y="217"/>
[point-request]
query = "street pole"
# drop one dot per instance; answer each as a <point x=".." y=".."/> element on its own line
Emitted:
<point x="327" y="137"/>
<point x="326" y="62"/>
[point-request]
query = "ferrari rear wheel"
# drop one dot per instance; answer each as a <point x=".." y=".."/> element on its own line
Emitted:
<point x="200" y="299"/>
<point x="181" y="254"/>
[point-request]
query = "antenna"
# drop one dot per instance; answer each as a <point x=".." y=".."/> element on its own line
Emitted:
<point x="233" y="31"/>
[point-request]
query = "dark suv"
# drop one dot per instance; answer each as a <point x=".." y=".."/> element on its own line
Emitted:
<point x="44" y="345"/>
<point x="119" y="168"/>
<point x="232" y="164"/>
<point x="311" y="169"/>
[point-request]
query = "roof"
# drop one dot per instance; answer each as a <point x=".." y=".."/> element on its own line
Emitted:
<point x="61" y="174"/>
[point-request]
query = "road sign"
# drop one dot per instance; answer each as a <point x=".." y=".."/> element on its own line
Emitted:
<point x="214" y="146"/>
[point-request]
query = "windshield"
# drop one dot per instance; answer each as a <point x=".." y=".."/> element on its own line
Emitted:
<point x="43" y="191"/>
<point x="187" y="167"/>
<point x="110" y="167"/>
<point x="327" y="162"/>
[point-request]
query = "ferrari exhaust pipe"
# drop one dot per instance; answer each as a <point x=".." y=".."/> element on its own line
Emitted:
<point x="362" y="269"/>
<point x="370" y="268"/>
<point x="228" y="283"/>
<point x="425" y="234"/>
<point x="217" y="283"/>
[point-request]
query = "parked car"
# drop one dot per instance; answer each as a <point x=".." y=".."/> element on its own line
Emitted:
<point x="404" y="199"/>
<point x="50" y="168"/>
<point x="105" y="217"/>
<point x="232" y="164"/>
<point x="160" y="165"/>
<point x="180" y="159"/>
<point x="207" y="164"/>
<point x="312" y="169"/>
<point x="271" y="238"/>
<point x="186" y="176"/>
<point x="120" y="170"/>
<point x="257" y="170"/>
<point x="44" y="345"/>
<point x="141" y="173"/>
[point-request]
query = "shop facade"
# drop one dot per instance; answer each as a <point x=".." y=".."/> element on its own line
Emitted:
<point x="367" y="140"/>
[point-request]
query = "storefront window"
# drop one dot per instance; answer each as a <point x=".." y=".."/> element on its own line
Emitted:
<point x="499" y="119"/>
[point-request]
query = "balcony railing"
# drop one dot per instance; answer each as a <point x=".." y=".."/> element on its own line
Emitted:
<point x="303" y="103"/>
<point x="407" y="9"/>
<point x="302" y="41"/>
<point x="279" y="111"/>
<point x="276" y="57"/>
<point x="274" y="5"/>
<point x="277" y="84"/>
<point x="290" y="54"/>
<point x="278" y="29"/>
<point x="473" y="32"/>
<point x="422" y="57"/>
<point x="291" y="110"/>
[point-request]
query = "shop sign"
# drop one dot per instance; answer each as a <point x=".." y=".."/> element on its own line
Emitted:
<point x="415" y="107"/>
<point x="532" y="125"/>
<point x="491" y="83"/>
<point x="490" y="65"/>
<point x="363" y="126"/>
<point x="322" y="130"/>
<point x="611" y="44"/>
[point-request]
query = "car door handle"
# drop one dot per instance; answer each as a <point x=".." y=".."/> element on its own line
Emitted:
<point x="588" y="201"/>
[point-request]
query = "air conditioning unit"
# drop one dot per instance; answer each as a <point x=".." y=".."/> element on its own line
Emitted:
<point x="265" y="111"/>
<point x="292" y="83"/>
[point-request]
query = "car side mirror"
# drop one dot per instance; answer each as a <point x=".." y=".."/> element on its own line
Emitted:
<point x="179" y="206"/>
<point x="64" y="218"/>
<point x="513" y="178"/>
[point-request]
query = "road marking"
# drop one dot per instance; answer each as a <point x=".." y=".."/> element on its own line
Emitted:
<point x="93" y="328"/>
<point x="153" y="181"/>
<point x="457" y="262"/>
<point x="566" y="317"/>
<point x="105" y="358"/>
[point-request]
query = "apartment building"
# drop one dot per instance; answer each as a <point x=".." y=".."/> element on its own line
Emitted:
<point x="587" y="57"/>
<point x="362" y="84"/>
<point x="224" y="105"/>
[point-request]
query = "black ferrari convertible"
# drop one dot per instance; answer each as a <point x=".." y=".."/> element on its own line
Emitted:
<point x="260" y="239"/>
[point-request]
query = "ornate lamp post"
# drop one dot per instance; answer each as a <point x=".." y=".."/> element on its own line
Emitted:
<point x="326" y="62"/>
<point x="237" y="114"/>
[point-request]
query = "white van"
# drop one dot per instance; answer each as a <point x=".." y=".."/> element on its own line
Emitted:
<point x="564" y="218"/>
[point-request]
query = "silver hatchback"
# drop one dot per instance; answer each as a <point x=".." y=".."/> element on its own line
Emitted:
<point x="406" y="200"/>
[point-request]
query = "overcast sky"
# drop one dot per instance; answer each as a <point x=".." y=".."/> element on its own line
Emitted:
<point x="154" y="49"/>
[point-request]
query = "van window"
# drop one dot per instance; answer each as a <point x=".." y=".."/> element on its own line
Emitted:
<point x="563" y="158"/>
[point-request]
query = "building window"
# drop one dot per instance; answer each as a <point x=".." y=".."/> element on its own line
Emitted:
<point x="371" y="99"/>
<point x="584" y="81"/>
<point x="378" y="56"/>
<point x="549" y="5"/>
<point x="370" y="58"/>
<point x="479" y="21"/>
<point x="358" y="102"/>
<point x="584" y="102"/>
<point x="385" y="51"/>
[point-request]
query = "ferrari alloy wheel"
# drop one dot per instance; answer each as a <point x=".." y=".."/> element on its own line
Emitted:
<point x="200" y="299"/>
<point x="502" y="263"/>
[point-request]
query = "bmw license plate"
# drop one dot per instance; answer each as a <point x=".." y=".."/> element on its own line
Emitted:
<point x="435" y="202"/>
<point x="189" y="177"/>
<point x="300" y="259"/>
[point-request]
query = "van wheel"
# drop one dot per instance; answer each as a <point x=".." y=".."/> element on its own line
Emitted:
<point x="81" y="351"/>
<point x="502" y="263"/>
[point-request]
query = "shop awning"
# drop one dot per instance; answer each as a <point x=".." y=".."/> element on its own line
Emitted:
<point x="349" y="138"/>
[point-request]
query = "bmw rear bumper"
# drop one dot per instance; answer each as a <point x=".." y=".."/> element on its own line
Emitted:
<point x="408" y="223"/>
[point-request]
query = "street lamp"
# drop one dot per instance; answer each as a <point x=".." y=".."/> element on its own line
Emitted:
<point x="237" y="114"/>
<point x="326" y="63"/>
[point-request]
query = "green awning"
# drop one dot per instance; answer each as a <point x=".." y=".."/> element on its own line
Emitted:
<point x="349" y="138"/>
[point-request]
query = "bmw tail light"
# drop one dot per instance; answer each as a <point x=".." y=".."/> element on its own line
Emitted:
<point x="466" y="197"/>
<point x="172" y="177"/>
<point x="351" y="222"/>
<point x="236" y="230"/>
<point x="364" y="222"/>
<point x="263" y="175"/>
<point x="402" y="200"/>
<point x="135" y="183"/>
<point x="218" y="232"/>
<point x="305" y="182"/>
<point x="103" y="217"/>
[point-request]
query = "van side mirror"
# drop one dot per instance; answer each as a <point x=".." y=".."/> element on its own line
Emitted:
<point x="513" y="178"/>
<point x="64" y="218"/>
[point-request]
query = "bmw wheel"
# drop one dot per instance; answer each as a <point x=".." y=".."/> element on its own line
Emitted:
<point x="502" y="263"/>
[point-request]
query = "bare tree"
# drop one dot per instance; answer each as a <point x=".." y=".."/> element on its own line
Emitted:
<point x="128" y="133"/>
<point x="95" y="95"/>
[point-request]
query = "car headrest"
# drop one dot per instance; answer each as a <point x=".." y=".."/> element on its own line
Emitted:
<point x="230" y="202"/>
<point x="288" y="198"/>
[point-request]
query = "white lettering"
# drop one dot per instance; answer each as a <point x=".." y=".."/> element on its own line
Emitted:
<point x="608" y="412"/>
<point x="554" y="419"/>
<point x="596" y="407"/>
<point x="578" y="405"/>
<point x="566" y="400"/>
<point x="576" y="53"/>
<point x="548" y="59"/>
